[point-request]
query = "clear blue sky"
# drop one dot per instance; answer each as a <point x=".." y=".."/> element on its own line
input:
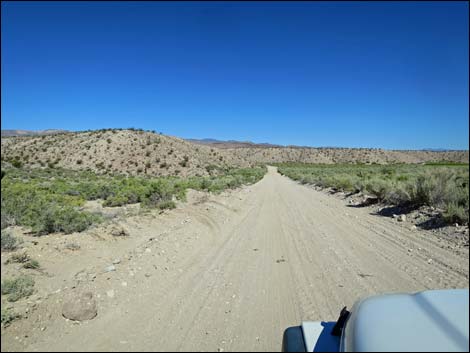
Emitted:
<point x="371" y="74"/>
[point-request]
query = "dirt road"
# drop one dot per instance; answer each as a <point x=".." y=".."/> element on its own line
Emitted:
<point x="232" y="272"/>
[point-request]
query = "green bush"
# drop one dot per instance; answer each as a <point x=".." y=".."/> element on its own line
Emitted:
<point x="8" y="241"/>
<point x="48" y="200"/>
<point x="64" y="219"/>
<point x="16" y="163"/>
<point x="455" y="214"/>
<point x="379" y="188"/>
<point x="20" y="287"/>
<point x="8" y="316"/>
<point x="31" y="264"/>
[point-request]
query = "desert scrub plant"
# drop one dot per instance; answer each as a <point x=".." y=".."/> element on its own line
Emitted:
<point x="64" y="219"/>
<point x="455" y="214"/>
<point x="48" y="200"/>
<point x="72" y="246"/>
<point x="8" y="316"/>
<point x="444" y="187"/>
<point x="8" y="241"/>
<point x="18" y="258"/>
<point x="32" y="264"/>
<point x="17" y="288"/>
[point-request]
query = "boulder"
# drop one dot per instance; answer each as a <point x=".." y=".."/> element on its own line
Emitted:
<point x="80" y="307"/>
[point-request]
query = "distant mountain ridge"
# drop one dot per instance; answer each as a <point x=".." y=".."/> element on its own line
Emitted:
<point x="212" y="142"/>
<point x="32" y="132"/>
<point x="232" y="143"/>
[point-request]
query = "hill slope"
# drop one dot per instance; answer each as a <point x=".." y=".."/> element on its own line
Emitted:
<point x="113" y="150"/>
<point x="142" y="152"/>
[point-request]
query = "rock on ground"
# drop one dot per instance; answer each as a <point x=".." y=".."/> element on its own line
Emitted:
<point x="80" y="307"/>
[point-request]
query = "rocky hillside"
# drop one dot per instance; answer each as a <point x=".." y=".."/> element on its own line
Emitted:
<point x="114" y="150"/>
<point x="134" y="152"/>
<point x="344" y="155"/>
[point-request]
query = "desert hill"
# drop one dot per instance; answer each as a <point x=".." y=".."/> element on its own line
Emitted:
<point x="135" y="151"/>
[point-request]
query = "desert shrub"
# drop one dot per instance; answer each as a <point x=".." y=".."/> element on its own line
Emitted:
<point x="31" y="264"/>
<point x="455" y="214"/>
<point x="17" y="288"/>
<point x="442" y="186"/>
<point x="18" y="258"/>
<point x="48" y="200"/>
<point x="166" y="204"/>
<point x="8" y="241"/>
<point x="398" y="196"/>
<point x="8" y="316"/>
<point x="378" y="188"/>
<point x="44" y="207"/>
<point x="16" y="163"/>
<point x="64" y="219"/>
<point x="72" y="246"/>
<point x="116" y="200"/>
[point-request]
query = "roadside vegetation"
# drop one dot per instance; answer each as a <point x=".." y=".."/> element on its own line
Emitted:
<point x="17" y="288"/>
<point x="442" y="185"/>
<point x="9" y="242"/>
<point x="50" y="200"/>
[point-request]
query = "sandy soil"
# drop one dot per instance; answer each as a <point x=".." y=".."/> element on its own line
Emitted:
<point x="227" y="272"/>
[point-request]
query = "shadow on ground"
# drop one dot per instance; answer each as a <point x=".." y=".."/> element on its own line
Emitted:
<point x="367" y="202"/>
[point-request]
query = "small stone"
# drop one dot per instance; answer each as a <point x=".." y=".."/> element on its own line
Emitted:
<point x="148" y="250"/>
<point x="119" y="232"/>
<point x="124" y="284"/>
<point x="110" y="268"/>
<point x="413" y="227"/>
<point x="110" y="293"/>
<point x="430" y="261"/>
<point x="116" y="261"/>
<point x="147" y="275"/>
<point x="402" y="218"/>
